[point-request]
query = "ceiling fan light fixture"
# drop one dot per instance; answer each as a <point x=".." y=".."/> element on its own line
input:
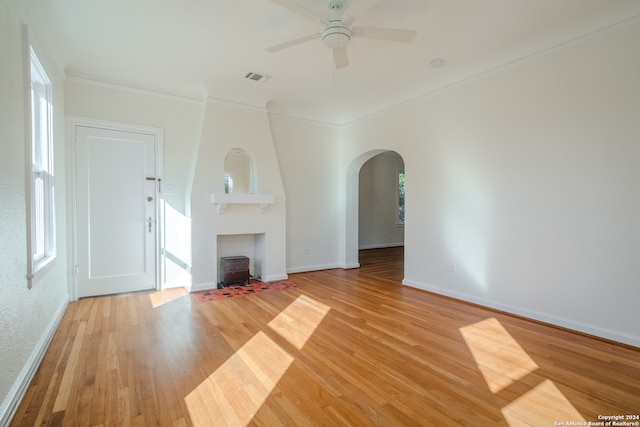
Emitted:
<point x="338" y="30"/>
<point x="336" y="35"/>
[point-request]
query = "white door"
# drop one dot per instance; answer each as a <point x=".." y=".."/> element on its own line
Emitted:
<point x="116" y="192"/>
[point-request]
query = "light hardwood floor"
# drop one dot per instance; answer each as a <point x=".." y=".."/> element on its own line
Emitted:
<point x="344" y="347"/>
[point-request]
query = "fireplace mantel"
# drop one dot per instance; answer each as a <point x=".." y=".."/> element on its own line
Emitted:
<point x="262" y="200"/>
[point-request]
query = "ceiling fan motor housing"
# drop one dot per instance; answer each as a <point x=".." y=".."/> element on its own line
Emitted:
<point x="336" y="4"/>
<point x="336" y="34"/>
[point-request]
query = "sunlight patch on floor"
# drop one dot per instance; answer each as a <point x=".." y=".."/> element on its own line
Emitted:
<point x="299" y="320"/>
<point x="500" y="359"/>
<point x="234" y="393"/>
<point x="160" y="298"/>
<point x="544" y="405"/>
<point x="502" y="362"/>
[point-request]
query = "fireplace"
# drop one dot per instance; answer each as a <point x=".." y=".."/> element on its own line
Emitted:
<point x="216" y="215"/>
<point x="250" y="246"/>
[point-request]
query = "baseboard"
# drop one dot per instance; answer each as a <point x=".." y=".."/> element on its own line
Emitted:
<point x="19" y="388"/>
<point x="211" y="285"/>
<point x="380" y="246"/>
<point x="203" y="286"/>
<point x="318" y="267"/>
<point x="551" y="319"/>
<point x="275" y="277"/>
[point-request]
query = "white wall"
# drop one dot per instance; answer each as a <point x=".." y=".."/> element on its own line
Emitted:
<point x="309" y="158"/>
<point x="378" y="202"/>
<point x="28" y="317"/>
<point x="525" y="181"/>
<point x="227" y="126"/>
<point x="181" y="120"/>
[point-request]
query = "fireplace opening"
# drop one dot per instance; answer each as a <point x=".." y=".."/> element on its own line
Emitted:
<point x="244" y="253"/>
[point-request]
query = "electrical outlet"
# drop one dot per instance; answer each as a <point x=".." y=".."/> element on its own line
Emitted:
<point x="305" y="251"/>
<point x="451" y="268"/>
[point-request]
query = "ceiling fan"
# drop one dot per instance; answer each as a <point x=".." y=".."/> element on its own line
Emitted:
<point x="337" y="30"/>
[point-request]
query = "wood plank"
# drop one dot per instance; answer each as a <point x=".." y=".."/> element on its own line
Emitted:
<point x="69" y="371"/>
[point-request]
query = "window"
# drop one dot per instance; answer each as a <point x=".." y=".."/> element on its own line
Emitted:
<point x="228" y="183"/>
<point x="401" y="180"/>
<point x="41" y="208"/>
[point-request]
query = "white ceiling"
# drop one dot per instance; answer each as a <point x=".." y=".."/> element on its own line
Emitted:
<point x="204" y="48"/>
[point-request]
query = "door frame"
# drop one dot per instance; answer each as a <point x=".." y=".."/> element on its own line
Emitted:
<point x="72" y="232"/>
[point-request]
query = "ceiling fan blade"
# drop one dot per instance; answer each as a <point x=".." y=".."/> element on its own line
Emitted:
<point x="292" y="43"/>
<point x="390" y="34"/>
<point x="301" y="10"/>
<point x="355" y="9"/>
<point x="340" y="57"/>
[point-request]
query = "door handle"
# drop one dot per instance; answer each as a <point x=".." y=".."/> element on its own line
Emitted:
<point x="150" y="221"/>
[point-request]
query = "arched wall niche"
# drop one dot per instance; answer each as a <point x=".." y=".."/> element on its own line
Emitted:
<point x="239" y="172"/>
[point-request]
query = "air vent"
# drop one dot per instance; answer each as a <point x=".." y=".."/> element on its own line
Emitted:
<point x="257" y="77"/>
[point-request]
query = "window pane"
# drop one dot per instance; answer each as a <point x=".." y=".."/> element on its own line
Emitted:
<point x="43" y="140"/>
<point x="228" y="184"/>
<point x="36" y="152"/>
<point x="38" y="210"/>
<point x="401" y="180"/>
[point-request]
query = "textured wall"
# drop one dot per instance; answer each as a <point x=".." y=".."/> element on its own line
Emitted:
<point x="26" y="315"/>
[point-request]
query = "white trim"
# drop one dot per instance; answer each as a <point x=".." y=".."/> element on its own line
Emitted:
<point x="131" y="89"/>
<point x="223" y="199"/>
<point x="319" y="267"/>
<point x="381" y="246"/>
<point x="19" y="387"/>
<point x="275" y="277"/>
<point x="158" y="134"/>
<point x="551" y="319"/>
<point x="205" y="286"/>
<point x="305" y="120"/>
<point x="26" y="70"/>
<point x="305" y="268"/>
<point x="237" y="104"/>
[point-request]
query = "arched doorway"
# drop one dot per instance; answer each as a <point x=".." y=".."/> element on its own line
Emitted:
<point x="374" y="216"/>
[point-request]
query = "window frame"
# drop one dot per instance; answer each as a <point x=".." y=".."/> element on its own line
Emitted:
<point x="39" y="164"/>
